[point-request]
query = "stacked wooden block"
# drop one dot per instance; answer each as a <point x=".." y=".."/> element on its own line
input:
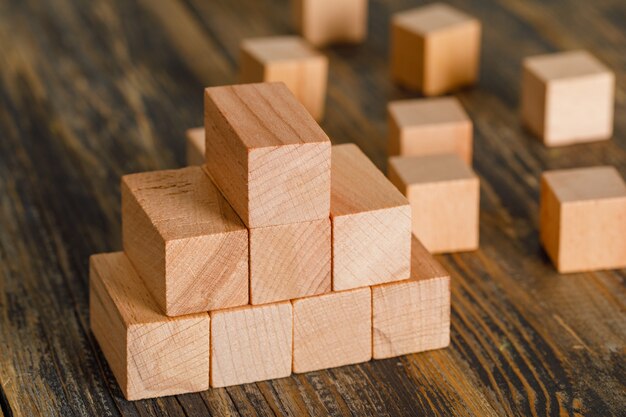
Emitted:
<point x="281" y="254"/>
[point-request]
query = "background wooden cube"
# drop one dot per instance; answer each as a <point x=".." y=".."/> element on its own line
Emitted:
<point x="250" y="344"/>
<point x="185" y="240"/>
<point x="323" y="22"/>
<point x="444" y="194"/>
<point x="434" y="48"/>
<point x="268" y="156"/>
<point x="414" y="315"/>
<point x="151" y="355"/>
<point x="583" y="218"/>
<point x="567" y="98"/>
<point x="194" y="140"/>
<point x="429" y="126"/>
<point x="332" y="330"/>
<point x="371" y="223"/>
<point x="291" y="60"/>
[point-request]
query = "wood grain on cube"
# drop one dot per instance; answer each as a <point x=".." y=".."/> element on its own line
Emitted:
<point x="444" y="194"/>
<point x="434" y="48"/>
<point x="250" y="344"/>
<point x="568" y="97"/>
<point x="429" y="126"/>
<point x="268" y="156"/>
<point x="194" y="141"/>
<point x="414" y="315"/>
<point x="291" y="60"/>
<point x="185" y="240"/>
<point x="371" y="223"/>
<point x="150" y="354"/>
<point x="332" y="330"/>
<point x="324" y="22"/>
<point x="583" y="218"/>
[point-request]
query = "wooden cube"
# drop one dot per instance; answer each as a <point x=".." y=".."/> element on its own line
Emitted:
<point x="568" y="98"/>
<point x="269" y="158"/>
<point x="289" y="261"/>
<point x="250" y="344"/>
<point x="583" y="218"/>
<point x="429" y="126"/>
<point x="324" y="22"/>
<point x="332" y="330"/>
<point x="291" y="60"/>
<point x="414" y="315"/>
<point x="371" y="223"/>
<point x="185" y="240"/>
<point x="444" y="194"/>
<point x="195" y="146"/>
<point x="434" y="49"/>
<point x="151" y="355"/>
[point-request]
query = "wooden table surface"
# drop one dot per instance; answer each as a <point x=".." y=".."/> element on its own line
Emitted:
<point x="91" y="90"/>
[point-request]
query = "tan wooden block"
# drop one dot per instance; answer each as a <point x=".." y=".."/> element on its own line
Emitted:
<point x="269" y="158"/>
<point x="185" y="240"/>
<point x="195" y="146"/>
<point x="583" y="218"/>
<point x="567" y="98"/>
<point x="434" y="49"/>
<point x="429" y="126"/>
<point x="444" y="194"/>
<point x="290" y="261"/>
<point x="250" y="344"/>
<point x="371" y="223"/>
<point x="291" y="60"/>
<point x="324" y="22"/>
<point x="332" y="330"/>
<point x="150" y="354"/>
<point x="414" y="315"/>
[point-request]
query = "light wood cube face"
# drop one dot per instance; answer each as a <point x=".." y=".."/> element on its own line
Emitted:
<point x="250" y="344"/>
<point x="435" y="49"/>
<point x="428" y="127"/>
<point x="444" y="194"/>
<point x="150" y="354"/>
<point x="332" y="330"/>
<point x="324" y="22"/>
<point x="194" y="140"/>
<point x="269" y="158"/>
<point x="288" y="59"/>
<point x="290" y="261"/>
<point x="568" y="98"/>
<point x="583" y="218"/>
<point x="185" y="240"/>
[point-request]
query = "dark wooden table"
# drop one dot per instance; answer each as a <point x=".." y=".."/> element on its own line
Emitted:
<point x="91" y="90"/>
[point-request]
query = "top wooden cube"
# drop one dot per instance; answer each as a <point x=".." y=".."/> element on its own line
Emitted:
<point x="269" y="158"/>
<point x="567" y="98"/>
<point x="323" y="22"/>
<point x="434" y="49"/>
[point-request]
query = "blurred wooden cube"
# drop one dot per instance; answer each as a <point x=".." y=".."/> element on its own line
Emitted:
<point x="434" y="49"/>
<point x="250" y="344"/>
<point x="414" y="315"/>
<point x="269" y="158"/>
<point x="332" y="330"/>
<point x="194" y="139"/>
<point x="568" y="97"/>
<point x="150" y="354"/>
<point x="324" y="22"/>
<point x="371" y="223"/>
<point x="185" y="240"/>
<point x="291" y="60"/>
<point x="583" y="218"/>
<point x="444" y="194"/>
<point x="429" y="126"/>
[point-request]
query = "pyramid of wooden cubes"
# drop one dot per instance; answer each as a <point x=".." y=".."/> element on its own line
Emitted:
<point x="280" y="254"/>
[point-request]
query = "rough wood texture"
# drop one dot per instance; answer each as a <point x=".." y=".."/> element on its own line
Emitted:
<point x="269" y="158"/>
<point x="371" y="223"/>
<point x="185" y="240"/>
<point x="93" y="90"/>
<point x="332" y="330"/>
<point x="291" y="60"/>
<point x="194" y="138"/>
<point x="583" y="218"/>
<point x="150" y="354"/>
<point x="324" y="22"/>
<point x="567" y="98"/>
